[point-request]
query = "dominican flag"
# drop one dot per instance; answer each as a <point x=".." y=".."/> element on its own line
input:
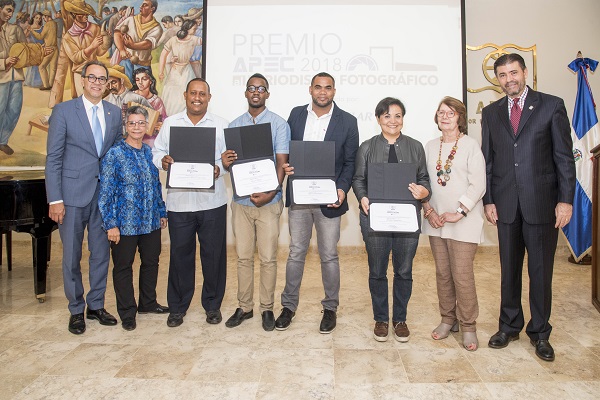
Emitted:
<point x="586" y="136"/>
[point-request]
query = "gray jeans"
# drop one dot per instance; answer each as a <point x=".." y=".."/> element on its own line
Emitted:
<point x="301" y="220"/>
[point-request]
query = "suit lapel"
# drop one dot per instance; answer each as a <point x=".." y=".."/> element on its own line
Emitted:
<point x="335" y="116"/>
<point x="85" y="123"/>
<point x="108" y="138"/>
<point x="503" y="115"/>
<point x="301" y="124"/>
<point x="531" y="102"/>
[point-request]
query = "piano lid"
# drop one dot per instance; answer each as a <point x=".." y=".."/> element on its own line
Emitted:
<point x="28" y="175"/>
<point x="22" y="198"/>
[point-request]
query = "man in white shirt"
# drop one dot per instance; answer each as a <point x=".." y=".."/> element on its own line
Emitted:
<point x="195" y="212"/>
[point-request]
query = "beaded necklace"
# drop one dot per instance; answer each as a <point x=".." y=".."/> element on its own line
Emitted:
<point x="443" y="174"/>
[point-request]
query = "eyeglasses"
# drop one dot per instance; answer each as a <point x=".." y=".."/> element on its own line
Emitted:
<point x="260" y="89"/>
<point x="142" y="124"/>
<point x="93" y="78"/>
<point x="448" y="114"/>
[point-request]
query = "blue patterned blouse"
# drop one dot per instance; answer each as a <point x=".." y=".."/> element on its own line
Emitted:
<point x="130" y="191"/>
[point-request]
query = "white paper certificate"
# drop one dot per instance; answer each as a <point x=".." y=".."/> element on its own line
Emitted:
<point x="191" y="175"/>
<point x="390" y="217"/>
<point x="254" y="177"/>
<point x="314" y="191"/>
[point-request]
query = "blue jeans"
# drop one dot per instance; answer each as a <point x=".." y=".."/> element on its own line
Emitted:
<point x="403" y="247"/>
<point x="11" y="101"/>
<point x="301" y="220"/>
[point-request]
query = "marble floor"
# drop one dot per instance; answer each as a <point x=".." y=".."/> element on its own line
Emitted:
<point x="40" y="359"/>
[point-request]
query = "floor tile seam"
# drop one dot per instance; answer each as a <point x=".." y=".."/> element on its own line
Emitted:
<point x="398" y="351"/>
<point x="22" y="391"/>
<point x="128" y="358"/>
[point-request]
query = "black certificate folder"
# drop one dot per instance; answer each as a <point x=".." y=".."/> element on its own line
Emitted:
<point x="312" y="161"/>
<point x="395" y="208"/>
<point x="194" y="145"/>
<point x="252" y="144"/>
<point x="389" y="181"/>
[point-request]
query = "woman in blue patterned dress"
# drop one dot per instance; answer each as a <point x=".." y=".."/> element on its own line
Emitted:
<point x="133" y="213"/>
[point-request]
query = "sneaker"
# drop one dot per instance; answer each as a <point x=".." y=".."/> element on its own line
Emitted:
<point x="401" y="332"/>
<point x="328" y="321"/>
<point x="380" y="333"/>
<point x="285" y="319"/>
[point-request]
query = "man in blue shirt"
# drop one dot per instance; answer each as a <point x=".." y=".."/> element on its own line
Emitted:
<point x="255" y="220"/>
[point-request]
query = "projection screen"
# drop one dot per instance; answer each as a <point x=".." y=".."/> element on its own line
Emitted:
<point x="412" y="50"/>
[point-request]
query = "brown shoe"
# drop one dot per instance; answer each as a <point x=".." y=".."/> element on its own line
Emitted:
<point x="380" y="333"/>
<point x="6" y="149"/>
<point x="401" y="332"/>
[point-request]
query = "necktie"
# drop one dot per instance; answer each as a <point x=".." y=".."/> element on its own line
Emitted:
<point x="97" y="129"/>
<point x="515" y="115"/>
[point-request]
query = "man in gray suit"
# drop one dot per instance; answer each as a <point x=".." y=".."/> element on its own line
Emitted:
<point x="80" y="133"/>
<point x="530" y="187"/>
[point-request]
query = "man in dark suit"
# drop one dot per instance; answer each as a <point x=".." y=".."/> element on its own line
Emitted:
<point x="530" y="186"/>
<point x="80" y="133"/>
<point x="321" y="120"/>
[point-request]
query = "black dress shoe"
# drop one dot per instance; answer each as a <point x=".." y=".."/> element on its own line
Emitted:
<point x="238" y="316"/>
<point x="102" y="316"/>
<point x="328" y="321"/>
<point x="77" y="324"/>
<point x="158" y="309"/>
<point x="175" y="319"/>
<point x="214" y="317"/>
<point x="268" y="320"/>
<point x="285" y="319"/>
<point x="128" y="324"/>
<point x="543" y="349"/>
<point x="501" y="339"/>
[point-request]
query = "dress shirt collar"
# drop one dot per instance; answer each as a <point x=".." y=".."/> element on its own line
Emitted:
<point x="250" y="120"/>
<point x="311" y="112"/>
<point x="88" y="105"/>
<point x="521" y="102"/>
<point x="183" y="116"/>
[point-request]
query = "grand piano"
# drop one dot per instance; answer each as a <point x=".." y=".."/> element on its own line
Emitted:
<point x="23" y="208"/>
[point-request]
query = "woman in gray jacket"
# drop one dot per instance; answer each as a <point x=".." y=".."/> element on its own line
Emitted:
<point x="391" y="146"/>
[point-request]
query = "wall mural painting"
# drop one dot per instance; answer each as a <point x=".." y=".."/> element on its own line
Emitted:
<point x="151" y="48"/>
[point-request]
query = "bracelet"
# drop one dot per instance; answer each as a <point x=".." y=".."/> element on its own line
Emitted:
<point x="428" y="213"/>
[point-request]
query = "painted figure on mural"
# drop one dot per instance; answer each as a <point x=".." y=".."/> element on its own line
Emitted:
<point x="68" y="33"/>
<point x="145" y="84"/>
<point x="32" y="76"/>
<point x="141" y="37"/>
<point x="181" y="48"/>
<point x="11" y="79"/>
<point x="49" y="37"/>
<point x="83" y="41"/>
<point x="195" y="14"/>
<point x="11" y="74"/>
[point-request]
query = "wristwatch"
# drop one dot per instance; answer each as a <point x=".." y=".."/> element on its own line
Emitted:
<point x="461" y="211"/>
